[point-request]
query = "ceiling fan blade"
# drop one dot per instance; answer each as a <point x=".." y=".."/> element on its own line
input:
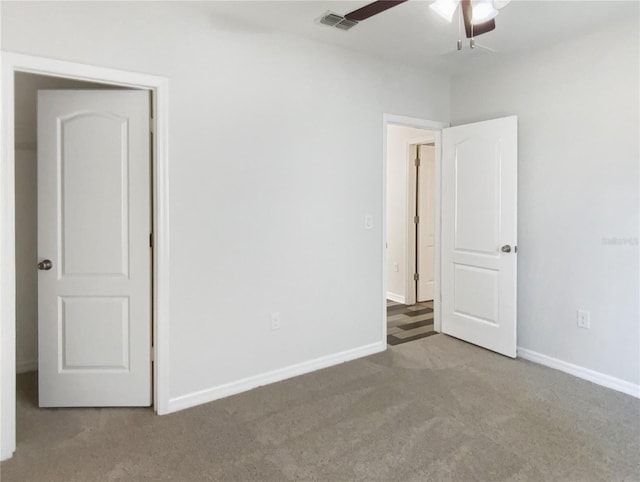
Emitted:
<point x="477" y="29"/>
<point x="372" y="9"/>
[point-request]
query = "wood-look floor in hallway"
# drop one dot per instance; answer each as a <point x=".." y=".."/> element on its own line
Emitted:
<point x="409" y="322"/>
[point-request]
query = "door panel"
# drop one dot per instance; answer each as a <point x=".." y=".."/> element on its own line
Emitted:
<point x="94" y="333"/>
<point x="94" y="212"/>
<point x="426" y="226"/>
<point x="94" y="220"/>
<point x="476" y="291"/>
<point x="477" y="196"/>
<point x="479" y="216"/>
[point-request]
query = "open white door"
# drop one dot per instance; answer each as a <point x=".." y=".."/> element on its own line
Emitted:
<point x="94" y="221"/>
<point x="425" y="229"/>
<point x="479" y="233"/>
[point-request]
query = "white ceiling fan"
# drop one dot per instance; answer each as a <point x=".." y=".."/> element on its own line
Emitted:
<point x="478" y="15"/>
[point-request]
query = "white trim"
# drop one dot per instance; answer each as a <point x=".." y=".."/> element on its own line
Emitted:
<point x="580" y="372"/>
<point x="7" y="271"/>
<point x="401" y="120"/>
<point x="161" y="248"/>
<point x="395" y="297"/>
<point x="27" y="366"/>
<point x="11" y="63"/>
<point x="249" y="383"/>
<point x="437" y="236"/>
<point x="419" y="124"/>
<point x="425" y="139"/>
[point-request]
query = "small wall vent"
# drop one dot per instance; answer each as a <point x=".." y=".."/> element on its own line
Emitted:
<point x="338" y="21"/>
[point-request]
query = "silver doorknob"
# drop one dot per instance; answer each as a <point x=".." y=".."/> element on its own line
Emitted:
<point x="506" y="248"/>
<point x="45" y="265"/>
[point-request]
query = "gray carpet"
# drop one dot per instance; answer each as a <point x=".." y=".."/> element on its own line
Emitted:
<point x="433" y="409"/>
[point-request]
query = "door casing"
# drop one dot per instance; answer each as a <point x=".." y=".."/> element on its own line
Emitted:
<point x="436" y="126"/>
<point x="439" y="127"/>
<point x="158" y="86"/>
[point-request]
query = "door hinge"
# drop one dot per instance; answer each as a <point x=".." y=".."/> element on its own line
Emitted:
<point x="152" y="125"/>
<point x="153" y="354"/>
<point x="417" y="162"/>
<point x="416" y="276"/>
<point x="151" y="240"/>
<point x="416" y="219"/>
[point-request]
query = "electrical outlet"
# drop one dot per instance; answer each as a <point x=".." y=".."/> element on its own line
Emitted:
<point x="368" y="221"/>
<point x="275" y="321"/>
<point x="396" y="268"/>
<point x="584" y="319"/>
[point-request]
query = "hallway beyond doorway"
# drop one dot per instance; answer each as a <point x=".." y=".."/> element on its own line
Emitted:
<point x="407" y="323"/>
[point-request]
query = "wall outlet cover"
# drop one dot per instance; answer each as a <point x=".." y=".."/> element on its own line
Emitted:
<point x="584" y="319"/>
<point x="275" y="321"/>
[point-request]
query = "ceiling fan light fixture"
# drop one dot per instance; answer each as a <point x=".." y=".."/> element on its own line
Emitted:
<point x="482" y="11"/>
<point x="445" y="8"/>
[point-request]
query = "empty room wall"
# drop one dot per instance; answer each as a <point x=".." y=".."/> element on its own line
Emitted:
<point x="577" y="104"/>
<point x="275" y="149"/>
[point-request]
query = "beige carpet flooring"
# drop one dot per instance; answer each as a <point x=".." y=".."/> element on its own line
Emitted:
<point x="432" y="409"/>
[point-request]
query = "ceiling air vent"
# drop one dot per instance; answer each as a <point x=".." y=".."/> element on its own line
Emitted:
<point x="331" y="19"/>
<point x="338" y="21"/>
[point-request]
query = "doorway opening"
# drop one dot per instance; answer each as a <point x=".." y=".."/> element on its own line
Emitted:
<point x="411" y="257"/>
<point x="89" y="242"/>
<point x="475" y="267"/>
<point x="14" y="223"/>
<point x="26" y="214"/>
<point x="83" y="242"/>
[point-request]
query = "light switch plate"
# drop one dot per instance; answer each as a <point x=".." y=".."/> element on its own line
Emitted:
<point x="584" y="319"/>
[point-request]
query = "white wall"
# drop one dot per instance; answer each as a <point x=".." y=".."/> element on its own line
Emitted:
<point x="578" y="108"/>
<point x="275" y="158"/>
<point x="397" y="206"/>
<point x="26" y="88"/>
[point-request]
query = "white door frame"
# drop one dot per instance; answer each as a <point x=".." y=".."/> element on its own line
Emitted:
<point x="391" y="119"/>
<point x="410" y="269"/>
<point x="12" y="63"/>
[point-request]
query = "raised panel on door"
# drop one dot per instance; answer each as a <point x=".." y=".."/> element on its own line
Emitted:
<point x="475" y="293"/>
<point x="479" y="217"/>
<point x="94" y="210"/>
<point x="94" y="333"/>
<point x="477" y="195"/>
<point x="93" y="213"/>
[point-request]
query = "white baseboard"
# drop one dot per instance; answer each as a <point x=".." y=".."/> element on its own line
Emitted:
<point x="228" y="389"/>
<point x="26" y="366"/>
<point x="581" y="372"/>
<point x="395" y="297"/>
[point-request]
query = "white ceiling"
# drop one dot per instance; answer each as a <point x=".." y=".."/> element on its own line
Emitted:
<point x="411" y="33"/>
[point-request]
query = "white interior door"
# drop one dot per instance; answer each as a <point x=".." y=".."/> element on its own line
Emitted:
<point x="426" y="226"/>
<point x="94" y="220"/>
<point x="479" y="233"/>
